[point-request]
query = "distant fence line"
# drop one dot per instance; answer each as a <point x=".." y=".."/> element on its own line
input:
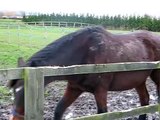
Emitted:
<point x="59" y="24"/>
<point x="43" y="24"/>
<point x="28" y="37"/>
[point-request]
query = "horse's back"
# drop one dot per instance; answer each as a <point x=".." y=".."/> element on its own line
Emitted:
<point x="133" y="47"/>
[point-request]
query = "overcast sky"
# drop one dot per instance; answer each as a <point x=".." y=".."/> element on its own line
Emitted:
<point x="97" y="7"/>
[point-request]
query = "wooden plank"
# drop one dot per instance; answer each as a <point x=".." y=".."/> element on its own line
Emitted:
<point x="99" y="68"/>
<point x="34" y="94"/>
<point x="11" y="74"/>
<point x="16" y="73"/>
<point x="121" y="114"/>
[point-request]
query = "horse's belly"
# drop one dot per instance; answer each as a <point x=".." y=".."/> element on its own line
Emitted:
<point x="128" y="80"/>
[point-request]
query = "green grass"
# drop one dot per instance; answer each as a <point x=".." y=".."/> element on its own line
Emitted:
<point x="5" y="95"/>
<point x="10" y="20"/>
<point x="24" y="42"/>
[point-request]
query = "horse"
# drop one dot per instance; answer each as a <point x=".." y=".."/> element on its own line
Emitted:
<point x="94" y="45"/>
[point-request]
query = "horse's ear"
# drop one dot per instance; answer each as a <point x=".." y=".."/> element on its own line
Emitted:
<point x="21" y="62"/>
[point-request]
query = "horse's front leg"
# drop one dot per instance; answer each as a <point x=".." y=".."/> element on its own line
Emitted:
<point x="144" y="98"/>
<point x="101" y="99"/>
<point x="68" y="98"/>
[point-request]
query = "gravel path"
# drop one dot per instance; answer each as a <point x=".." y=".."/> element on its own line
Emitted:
<point x="85" y="104"/>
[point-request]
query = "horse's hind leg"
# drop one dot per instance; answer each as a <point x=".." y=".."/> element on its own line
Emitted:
<point x="101" y="97"/>
<point x="144" y="98"/>
<point x="68" y="98"/>
<point x="155" y="76"/>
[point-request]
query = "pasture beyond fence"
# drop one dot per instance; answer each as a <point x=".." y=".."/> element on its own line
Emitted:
<point x="34" y="86"/>
<point x="22" y="38"/>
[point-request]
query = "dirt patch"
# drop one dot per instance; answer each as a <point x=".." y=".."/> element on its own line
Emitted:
<point x="85" y="104"/>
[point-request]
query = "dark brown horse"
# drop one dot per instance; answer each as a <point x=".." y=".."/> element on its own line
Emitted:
<point x="95" y="45"/>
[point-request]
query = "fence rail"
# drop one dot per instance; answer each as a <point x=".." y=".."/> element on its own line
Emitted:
<point x="59" y="24"/>
<point x="122" y="114"/>
<point x="34" y="85"/>
<point x="43" y="24"/>
<point x="17" y="73"/>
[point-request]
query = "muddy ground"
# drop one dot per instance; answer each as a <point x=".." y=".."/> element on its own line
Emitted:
<point x="85" y="104"/>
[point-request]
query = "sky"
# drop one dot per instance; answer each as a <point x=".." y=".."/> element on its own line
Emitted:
<point x="96" y="7"/>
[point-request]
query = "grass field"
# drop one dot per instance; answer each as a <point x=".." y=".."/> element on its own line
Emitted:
<point x="20" y="41"/>
<point x="24" y="42"/>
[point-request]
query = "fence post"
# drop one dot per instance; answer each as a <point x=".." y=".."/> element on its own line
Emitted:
<point x="59" y="24"/>
<point x="74" y="25"/>
<point x="34" y="93"/>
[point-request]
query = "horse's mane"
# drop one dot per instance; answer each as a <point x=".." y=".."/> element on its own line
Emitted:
<point x="62" y="42"/>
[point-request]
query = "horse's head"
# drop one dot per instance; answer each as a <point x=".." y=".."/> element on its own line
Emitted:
<point x="18" y="90"/>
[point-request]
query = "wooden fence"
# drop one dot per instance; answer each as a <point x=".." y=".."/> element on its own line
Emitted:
<point x="59" y="24"/>
<point x="34" y="86"/>
<point x="8" y="25"/>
